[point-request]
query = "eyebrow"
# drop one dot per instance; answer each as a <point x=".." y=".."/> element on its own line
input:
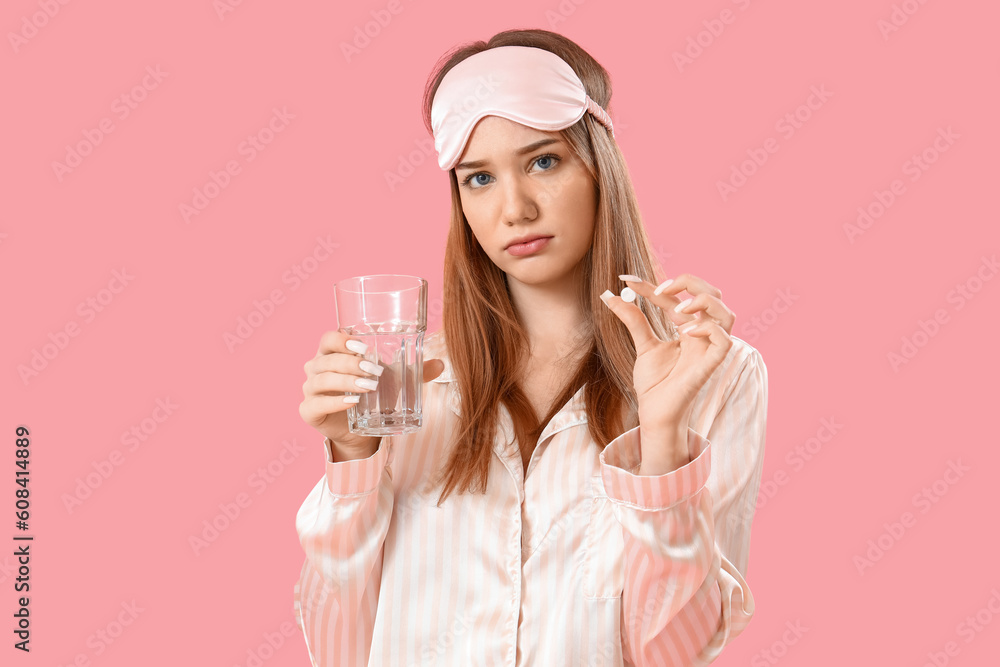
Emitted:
<point x="521" y="151"/>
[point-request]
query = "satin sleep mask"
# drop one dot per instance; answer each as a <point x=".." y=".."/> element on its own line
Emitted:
<point x="527" y="85"/>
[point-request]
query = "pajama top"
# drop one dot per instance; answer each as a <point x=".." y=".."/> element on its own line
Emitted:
<point x="578" y="562"/>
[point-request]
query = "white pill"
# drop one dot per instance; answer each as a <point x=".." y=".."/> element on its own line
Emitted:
<point x="628" y="294"/>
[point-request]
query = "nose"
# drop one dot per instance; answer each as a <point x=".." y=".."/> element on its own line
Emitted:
<point x="519" y="201"/>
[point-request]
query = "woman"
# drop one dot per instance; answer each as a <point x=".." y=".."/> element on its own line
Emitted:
<point x="582" y="489"/>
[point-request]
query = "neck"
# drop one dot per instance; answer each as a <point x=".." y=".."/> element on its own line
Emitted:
<point x="552" y="316"/>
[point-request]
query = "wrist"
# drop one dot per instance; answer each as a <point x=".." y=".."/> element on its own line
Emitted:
<point x="339" y="453"/>
<point x="662" y="449"/>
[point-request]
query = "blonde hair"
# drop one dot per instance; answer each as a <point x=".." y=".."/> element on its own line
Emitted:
<point x="484" y="337"/>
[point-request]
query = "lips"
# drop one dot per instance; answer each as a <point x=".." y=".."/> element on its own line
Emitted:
<point x="529" y="247"/>
<point x="527" y="239"/>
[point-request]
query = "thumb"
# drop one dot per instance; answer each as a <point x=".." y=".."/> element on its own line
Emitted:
<point x="432" y="369"/>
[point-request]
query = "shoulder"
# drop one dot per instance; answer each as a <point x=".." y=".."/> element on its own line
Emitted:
<point x="742" y="353"/>
<point x="741" y="371"/>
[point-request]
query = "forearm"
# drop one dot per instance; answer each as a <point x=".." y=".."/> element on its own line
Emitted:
<point x="342" y="526"/>
<point x="671" y="604"/>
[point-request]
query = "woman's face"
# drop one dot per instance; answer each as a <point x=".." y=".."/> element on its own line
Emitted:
<point x="516" y="188"/>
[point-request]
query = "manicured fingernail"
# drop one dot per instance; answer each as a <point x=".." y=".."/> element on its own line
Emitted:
<point x="352" y="399"/>
<point x="628" y="294"/>
<point x="687" y="328"/>
<point x="662" y="286"/>
<point x="369" y="367"/>
<point x="607" y="295"/>
<point x="679" y="307"/>
<point x="628" y="277"/>
<point x="366" y="383"/>
<point x="357" y="346"/>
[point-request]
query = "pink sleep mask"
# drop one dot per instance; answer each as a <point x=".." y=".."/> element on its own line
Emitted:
<point x="527" y="85"/>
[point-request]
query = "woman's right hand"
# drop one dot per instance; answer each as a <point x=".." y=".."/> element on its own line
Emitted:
<point x="331" y="373"/>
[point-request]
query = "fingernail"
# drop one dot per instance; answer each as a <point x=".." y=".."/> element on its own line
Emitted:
<point x="630" y="278"/>
<point x="607" y="295"/>
<point x="366" y="383"/>
<point x="679" y="307"/>
<point x="357" y="346"/>
<point x="628" y="294"/>
<point x="662" y="286"/>
<point x="687" y="328"/>
<point x="352" y="399"/>
<point x="369" y="367"/>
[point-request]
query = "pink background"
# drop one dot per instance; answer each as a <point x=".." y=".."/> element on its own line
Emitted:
<point x="829" y="309"/>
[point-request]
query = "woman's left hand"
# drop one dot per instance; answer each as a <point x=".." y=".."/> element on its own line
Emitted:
<point x="669" y="374"/>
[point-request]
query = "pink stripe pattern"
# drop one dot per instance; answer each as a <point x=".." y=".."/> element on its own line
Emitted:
<point x="580" y="561"/>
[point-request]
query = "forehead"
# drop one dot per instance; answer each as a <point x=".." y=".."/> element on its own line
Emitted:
<point x="498" y="134"/>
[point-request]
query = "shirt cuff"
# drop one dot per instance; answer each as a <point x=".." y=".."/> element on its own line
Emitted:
<point x="621" y="458"/>
<point x="358" y="476"/>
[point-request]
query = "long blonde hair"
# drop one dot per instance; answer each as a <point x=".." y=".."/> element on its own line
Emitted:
<point x="485" y="339"/>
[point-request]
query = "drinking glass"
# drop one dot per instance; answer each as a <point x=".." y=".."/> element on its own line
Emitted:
<point x="389" y="313"/>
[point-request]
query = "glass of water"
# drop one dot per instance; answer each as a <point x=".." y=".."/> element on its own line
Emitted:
<point x="389" y="314"/>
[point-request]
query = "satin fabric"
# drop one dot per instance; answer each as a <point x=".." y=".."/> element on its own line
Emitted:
<point x="580" y="562"/>
<point x="528" y="85"/>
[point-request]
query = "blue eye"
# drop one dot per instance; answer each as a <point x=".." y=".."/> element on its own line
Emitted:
<point x="547" y="162"/>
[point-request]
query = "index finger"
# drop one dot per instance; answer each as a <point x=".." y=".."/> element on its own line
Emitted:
<point x="685" y="281"/>
<point x="338" y="341"/>
<point x="634" y="320"/>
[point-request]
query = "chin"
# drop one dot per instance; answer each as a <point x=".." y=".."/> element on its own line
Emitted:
<point x="540" y="275"/>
